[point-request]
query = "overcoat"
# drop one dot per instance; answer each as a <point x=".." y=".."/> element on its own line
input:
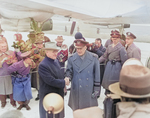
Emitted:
<point x="51" y="81"/>
<point x="5" y="77"/>
<point x="100" y="51"/>
<point x="133" y="52"/>
<point x="115" y="57"/>
<point x="85" y="78"/>
<point x="21" y="81"/>
<point x="108" y="42"/>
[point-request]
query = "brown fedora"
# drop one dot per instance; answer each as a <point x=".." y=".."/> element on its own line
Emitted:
<point x="134" y="82"/>
<point x="59" y="39"/>
<point x="132" y="61"/>
<point x="51" y="46"/>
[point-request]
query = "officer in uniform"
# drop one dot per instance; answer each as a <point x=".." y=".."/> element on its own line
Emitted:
<point x="132" y="50"/>
<point x="84" y="73"/>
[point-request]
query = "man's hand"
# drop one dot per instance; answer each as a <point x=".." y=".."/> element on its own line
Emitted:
<point x="95" y="94"/>
<point x="67" y="82"/>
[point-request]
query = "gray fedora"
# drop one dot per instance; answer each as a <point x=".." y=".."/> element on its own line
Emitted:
<point x="51" y="46"/>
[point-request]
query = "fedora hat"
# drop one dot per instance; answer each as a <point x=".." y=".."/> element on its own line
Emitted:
<point x="59" y="39"/>
<point x="51" y="46"/>
<point x="132" y="61"/>
<point x="134" y="82"/>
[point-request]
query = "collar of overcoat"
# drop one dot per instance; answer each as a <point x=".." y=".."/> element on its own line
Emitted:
<point x="131" y="47"/>
<point x="86" y="61"/>
<point x="118" y="46"/>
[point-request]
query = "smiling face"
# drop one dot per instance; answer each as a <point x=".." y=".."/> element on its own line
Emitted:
<point x="3" y="47"/>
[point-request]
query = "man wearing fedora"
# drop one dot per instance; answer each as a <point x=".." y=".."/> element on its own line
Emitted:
<point x="134" y="89"/>
<point x="84" y="73"/>
<point x="62" y="55"/>
<point x="132" y="50"/>
<point x="51" y="77"/>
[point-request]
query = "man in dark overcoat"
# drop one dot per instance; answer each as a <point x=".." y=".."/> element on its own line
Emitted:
<point x="51" y="77"/>
<point x="84" y="73"/>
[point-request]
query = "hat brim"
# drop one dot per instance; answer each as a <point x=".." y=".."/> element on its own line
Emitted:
<point x="25" y="54"/>
<point x="51" y="48"/>
<point x="115" y="88"/>
<point x="59" y="40"/>
<point x="85" y="42"/>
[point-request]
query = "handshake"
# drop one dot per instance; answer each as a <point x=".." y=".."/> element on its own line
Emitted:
<point x="67" y="81"/>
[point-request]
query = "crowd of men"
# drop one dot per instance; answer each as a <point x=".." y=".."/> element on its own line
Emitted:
<point x="40" y="63"/>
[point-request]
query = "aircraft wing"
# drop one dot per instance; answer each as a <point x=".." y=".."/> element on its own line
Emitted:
<point x="112" y="11"/>
<point x="15" y="15"/>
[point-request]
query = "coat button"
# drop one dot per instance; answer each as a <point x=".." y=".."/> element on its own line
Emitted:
<point x="80" y="86"/>
<point x="87" y="78"/>
<point x="86" y="85"/>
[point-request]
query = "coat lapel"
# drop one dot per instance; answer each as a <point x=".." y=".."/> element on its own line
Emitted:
<point x="113" y="49"/>
<point x="130" y="48"/>
<point x="77" y="60"/>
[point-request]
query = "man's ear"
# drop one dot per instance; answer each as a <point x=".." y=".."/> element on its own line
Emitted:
<point x="85" y="47"/>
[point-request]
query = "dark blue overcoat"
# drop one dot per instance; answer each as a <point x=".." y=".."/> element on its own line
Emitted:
<point x="85" y="78"/>
<point x="51" y="79"/>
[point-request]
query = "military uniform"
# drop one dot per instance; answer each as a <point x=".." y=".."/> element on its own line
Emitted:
<point x="85" y="79"/>
<point x="133" y="52"/>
